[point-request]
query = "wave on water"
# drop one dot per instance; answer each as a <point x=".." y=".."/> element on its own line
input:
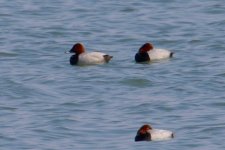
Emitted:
<point x="136" y="82"/>
<point x="7" y="54"/>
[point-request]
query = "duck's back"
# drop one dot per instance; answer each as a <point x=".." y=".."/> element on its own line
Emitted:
<point x="157" y="54"/>
<point x="91" y="58"/>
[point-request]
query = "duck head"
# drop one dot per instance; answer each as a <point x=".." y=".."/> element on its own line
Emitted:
<point x="146" y="47"/>
<point x="143" y="133"/>
<point x="77" y="48"/>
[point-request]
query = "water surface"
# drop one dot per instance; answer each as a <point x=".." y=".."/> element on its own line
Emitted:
<point x="48" y="104"/>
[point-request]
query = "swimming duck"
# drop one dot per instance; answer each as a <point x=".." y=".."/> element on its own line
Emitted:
<point x="147" y="133"/>
<point x="148" y="53"/>
<point x="83" y="58"/>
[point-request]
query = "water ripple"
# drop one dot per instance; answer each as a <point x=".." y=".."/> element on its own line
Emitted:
<point x="48" y="104"/>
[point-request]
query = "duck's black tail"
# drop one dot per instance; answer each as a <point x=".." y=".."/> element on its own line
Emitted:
<point x="107" y="58"/>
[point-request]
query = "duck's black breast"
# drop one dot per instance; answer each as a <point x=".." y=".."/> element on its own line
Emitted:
<point x="142" y="57"/>
<point x="74" y="59"/>
<point x="143" y="137"/>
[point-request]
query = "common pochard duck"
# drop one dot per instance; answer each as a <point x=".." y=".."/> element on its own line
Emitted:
<point x="148" y="53"/>
<point x="83" y="58"/>
<point x="147" y="133"/>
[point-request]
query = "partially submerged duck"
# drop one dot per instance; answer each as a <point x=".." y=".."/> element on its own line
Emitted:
<point x="147" y="133"/>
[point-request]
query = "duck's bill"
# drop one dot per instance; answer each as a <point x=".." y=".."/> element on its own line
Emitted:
<point x="158" y="134"/>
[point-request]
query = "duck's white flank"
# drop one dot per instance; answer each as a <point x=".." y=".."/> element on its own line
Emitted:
<point x="159" y="134"/>
<point x="157" y="54"/>
<point x="91" y="58"/>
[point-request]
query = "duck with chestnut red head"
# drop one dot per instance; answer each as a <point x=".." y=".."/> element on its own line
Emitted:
<point x="148" y="53"/>
<point x="81" y="57"/>
<point x="147" y="133"/>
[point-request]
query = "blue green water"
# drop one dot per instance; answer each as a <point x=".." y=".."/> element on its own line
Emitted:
<point x="47" y="104"/>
